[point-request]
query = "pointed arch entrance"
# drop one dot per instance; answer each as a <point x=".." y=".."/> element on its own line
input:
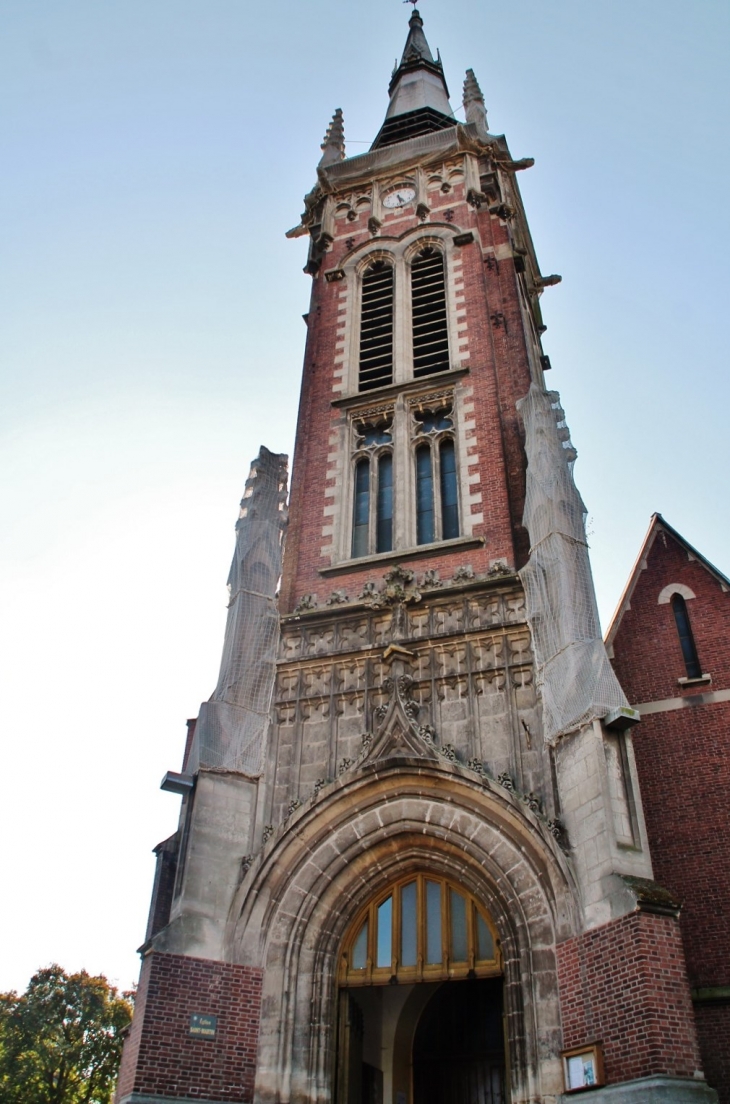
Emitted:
<point x="421" y="1002"/>
<point x="371" y="829"/>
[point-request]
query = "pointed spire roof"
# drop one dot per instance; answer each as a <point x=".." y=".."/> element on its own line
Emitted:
<point x="474" y="107"/>
<point x="416" y="48"/>
<point x="333" y="147"/>
<point x="419" y="96"/>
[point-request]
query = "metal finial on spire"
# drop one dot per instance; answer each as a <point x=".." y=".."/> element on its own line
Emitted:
<point x="474" y="106"/>
<point x="333" y="147"/>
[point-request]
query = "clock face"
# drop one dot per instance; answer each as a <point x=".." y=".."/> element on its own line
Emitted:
<point x="399" y="197"/>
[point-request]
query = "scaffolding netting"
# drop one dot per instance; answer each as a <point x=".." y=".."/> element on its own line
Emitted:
<point x="232" y="726"/>
<point x="574" y="676"/>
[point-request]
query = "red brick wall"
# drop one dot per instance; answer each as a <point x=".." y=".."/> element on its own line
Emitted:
<point x="713" y="1029"/>
<point x="624" y="984"/>
<point x="683" y="762"/>
<point x="498" y="373"/>
<point x="162" y="1058"/>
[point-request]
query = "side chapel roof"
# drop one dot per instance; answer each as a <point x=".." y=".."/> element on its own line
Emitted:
<point x="656" y="526"/>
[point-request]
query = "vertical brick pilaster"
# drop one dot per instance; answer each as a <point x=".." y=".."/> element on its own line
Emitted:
<point x="162" y="1058"/>
<point x="624" y="984"/>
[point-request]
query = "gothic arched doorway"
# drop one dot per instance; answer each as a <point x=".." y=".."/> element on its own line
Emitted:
<point x="420" y="1012"/>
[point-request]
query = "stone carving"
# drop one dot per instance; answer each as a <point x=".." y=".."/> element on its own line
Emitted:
<point x="465" y="574"/>
<point x="428" y="733"/>
<point x="369" y="593"/>
<point x="246" y="863"/>
<point x="291" y="645"/>
<point x="435" y="400"/>
<point x="318" y="785"/>
<point x="345" y="765"/>
<point x="506" y="780"/>
<point x="268" y="832"/>
<point x="366" y="740"/>
<point x="319" y="642"/>
<point x="431" y="579"/>
<point x="475" y="765"/>
<point x="306" y="602"/>
<point x="316" y="682"/>
<point x="397" y="730"/>
<point x="337" y="598"/>
<point x="499" y="568"/>
<point x="557" y="831"/>
<point x="449" y="752"/>
<point x="449" y="619"/>
<point x="532" y="801"/>
<point x="292" y="807"/>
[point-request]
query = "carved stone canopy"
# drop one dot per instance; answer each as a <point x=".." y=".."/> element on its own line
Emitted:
<point x="397" y="730"/>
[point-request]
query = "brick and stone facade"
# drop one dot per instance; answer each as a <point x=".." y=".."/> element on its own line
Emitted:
<point x="407" y="742"/>
<point x="682" y="751"/>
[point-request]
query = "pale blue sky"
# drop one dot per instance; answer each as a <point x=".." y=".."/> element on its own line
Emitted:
<point x="155" y="152"/>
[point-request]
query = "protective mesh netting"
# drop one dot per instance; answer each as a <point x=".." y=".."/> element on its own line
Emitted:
<point x="574" y="676"/>
<point x="232" y="726"/>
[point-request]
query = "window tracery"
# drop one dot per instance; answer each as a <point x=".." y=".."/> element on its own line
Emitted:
<point x="421" y="928"/>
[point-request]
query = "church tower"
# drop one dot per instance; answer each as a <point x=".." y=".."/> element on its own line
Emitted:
<point x="412" y="864"/>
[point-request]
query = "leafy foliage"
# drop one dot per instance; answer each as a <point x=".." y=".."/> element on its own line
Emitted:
<point x="61" y="1040"/>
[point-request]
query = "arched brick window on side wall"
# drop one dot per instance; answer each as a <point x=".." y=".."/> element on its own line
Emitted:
<point x="428" y="307"/>
<point x="686" y="639"/>
<point x="376" y="326"/>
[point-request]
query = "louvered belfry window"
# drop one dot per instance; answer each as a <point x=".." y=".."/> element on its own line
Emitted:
<point x="430" y="329"/>
<point x="376" y="329"/>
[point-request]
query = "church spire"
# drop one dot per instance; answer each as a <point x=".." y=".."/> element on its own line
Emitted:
<point x="419" y="97"/>
<point x="474" y="106"/>
<point x="333" y="147"/>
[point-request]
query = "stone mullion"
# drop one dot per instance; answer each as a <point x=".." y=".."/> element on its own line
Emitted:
<point x="403" y="504"/>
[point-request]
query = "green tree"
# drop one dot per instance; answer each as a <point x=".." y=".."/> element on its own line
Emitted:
<point x="61" y="1040"/>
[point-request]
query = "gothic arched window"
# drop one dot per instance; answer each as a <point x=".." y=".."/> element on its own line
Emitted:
<point x="449" y="499"/>
<point x="428" y="308"/>
<point x="425" y="529"/>
<point x="421" y="928"/>
<point x="437" y="515"/>
<point x="686" y="639"/>
<point x="372" y="518"/>
<point x="361" y="519"/>
<point x="376" y="326"/>
<point x="384" y="506"/>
